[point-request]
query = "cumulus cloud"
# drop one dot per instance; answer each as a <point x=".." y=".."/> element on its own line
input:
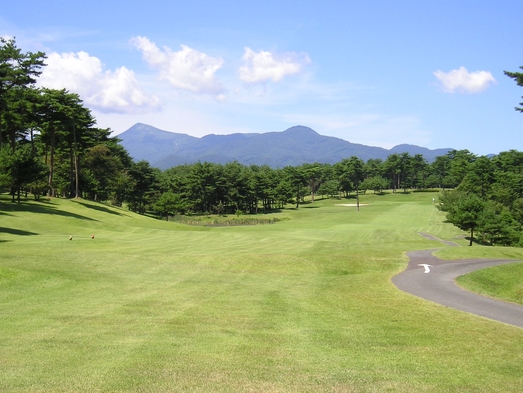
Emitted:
<point x="463" y="81"/>
<point x="104" y="90"/>
<point x="186" y="69"/>
<point x="264" y="66"/>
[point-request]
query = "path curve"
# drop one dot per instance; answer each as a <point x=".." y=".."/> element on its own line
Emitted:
<point x="438" y="285"/>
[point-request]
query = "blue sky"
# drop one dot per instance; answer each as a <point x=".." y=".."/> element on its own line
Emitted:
<point x="380" y="73"/>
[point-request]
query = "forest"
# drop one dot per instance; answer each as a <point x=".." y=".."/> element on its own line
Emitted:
<point x="50" y="146"/>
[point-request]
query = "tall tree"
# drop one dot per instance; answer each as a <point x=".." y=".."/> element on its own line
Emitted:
<point x="463" y="210"/>
<point x="497" y="225"/>
<point x="297" y="178"/>
<point x="143" y="178"/>
<point x="392" y="168"/>
<point x="314" y="177"/>
<point x="373" y="167"/>
<point x="351" y="172"/>
<point x="19" y="117"/>
<point x="67" y="124"/>
<point x="18" y="70"/>
<point x="168" y="203"/>
<point x="419" y="171"/>
<point x="405" y="166"/>
<point x="19" y="168"/>
<point x="202" y="186"/>
<point x="479" y="178"/>
<point x="460" y="163"/>
<point x="518" y="77"/>
<point x="440" y="169"/>
<point x="356" y="175"/>
<point x="105" y="169"/>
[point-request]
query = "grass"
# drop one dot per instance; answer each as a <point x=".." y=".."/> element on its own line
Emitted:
<point x="303" y="305"/>
<point x="502" y="282"/>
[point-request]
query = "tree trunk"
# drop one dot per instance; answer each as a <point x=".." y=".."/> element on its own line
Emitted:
<point x="471" y="235"/>
<point x="1" y="113"/>
<point x="357" y="196"/>
<point x="71" y="172"/>
<point x="76" y="172"/>
<point x="51" y="165"/>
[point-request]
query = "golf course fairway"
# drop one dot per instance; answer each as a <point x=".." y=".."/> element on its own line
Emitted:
<point x="136" y="304"/>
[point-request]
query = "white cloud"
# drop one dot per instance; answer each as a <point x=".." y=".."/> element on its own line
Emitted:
<point x="103" y="90"/>
<point x="264" y="66"/>
<point x="186" y="69"/>
<point x="462" y="81"/>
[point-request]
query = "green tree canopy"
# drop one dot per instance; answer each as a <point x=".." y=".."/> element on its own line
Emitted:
<point x="18" y="71"/>
<point x="518" y="77"/>
<point x="463" y="210"/>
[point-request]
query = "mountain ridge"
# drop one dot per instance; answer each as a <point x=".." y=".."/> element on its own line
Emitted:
<point x="294" y="146"/>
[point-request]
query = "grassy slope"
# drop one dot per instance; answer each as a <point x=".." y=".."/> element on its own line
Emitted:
<point x="503" y="282"/>
<point x="301" y="305"/>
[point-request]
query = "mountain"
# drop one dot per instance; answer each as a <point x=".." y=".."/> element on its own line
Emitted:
<point x="294" y="146"/>
<point x="144" y="142"/>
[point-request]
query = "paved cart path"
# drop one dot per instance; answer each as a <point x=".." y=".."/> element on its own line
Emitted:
<point x="433" y="279"/>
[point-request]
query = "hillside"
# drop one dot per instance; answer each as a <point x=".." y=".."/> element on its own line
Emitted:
<point x="294" y="146"/>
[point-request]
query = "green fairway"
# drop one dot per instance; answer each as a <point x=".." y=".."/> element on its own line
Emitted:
<point x="302" y="305"/>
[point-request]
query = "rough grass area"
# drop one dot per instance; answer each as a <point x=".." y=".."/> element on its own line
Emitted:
<point x="502" y="282"/>
<point x="227" y="220"/>
<point x="303" y="305"/>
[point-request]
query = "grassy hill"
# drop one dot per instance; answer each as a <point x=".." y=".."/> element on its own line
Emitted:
<point x="501" y="282"/>
<point x="303" y="305"/>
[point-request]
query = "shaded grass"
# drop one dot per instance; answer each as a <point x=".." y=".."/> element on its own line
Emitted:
<point x="303" y="305"/>
<point x="17" y="232"/>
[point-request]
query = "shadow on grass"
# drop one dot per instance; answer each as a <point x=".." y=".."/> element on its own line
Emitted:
<point x="475" y="240"/>
<point x="273" y="211"/>
<point x="98" y="208"/>
<point x="18" y="232"/>
<point x="348" y="197"/>
<point x="45" y="207"/>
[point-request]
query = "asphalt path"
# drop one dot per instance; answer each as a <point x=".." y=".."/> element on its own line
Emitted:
<point x="433" y="279"/>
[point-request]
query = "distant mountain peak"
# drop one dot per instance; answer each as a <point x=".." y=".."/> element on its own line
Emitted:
<point x="295" y="146"/>
<point x="413" y="149"/>
<point x="300" y="130"/>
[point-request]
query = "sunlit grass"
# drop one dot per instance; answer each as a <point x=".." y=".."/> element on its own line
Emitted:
<point x="302" y="305"/>
<point x="503" y="282"/>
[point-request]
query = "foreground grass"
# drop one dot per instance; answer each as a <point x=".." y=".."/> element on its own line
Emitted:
<point x="303" y="305"/>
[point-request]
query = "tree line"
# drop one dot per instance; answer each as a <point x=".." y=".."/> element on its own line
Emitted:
<point x="48" y="140"/>
<point x="50" y="145"/>
<point x="488" y="201"/>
